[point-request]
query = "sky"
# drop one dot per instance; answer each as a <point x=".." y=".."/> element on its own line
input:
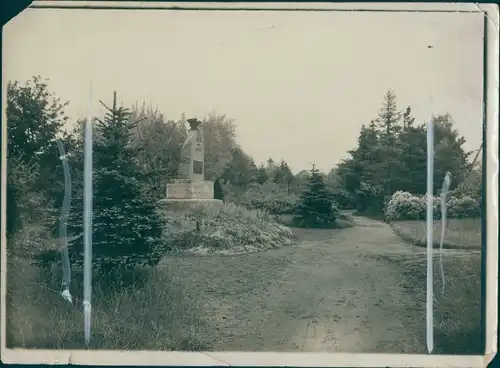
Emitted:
<point x="298" y="84"/>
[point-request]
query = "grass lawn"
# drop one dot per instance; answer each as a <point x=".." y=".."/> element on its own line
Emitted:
<point x="458" y="310"/>
<point x="152" y="316"/>
<point x="460" y="234"/>
<point x="151" y="313"/>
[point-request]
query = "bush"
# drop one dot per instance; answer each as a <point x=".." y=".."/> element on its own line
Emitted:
<point x="269" y="197"/>
<point x="406" y="206"/>
<point x="316" y="209"/>
<point x="472" y="185"/>
<point x="436" y="205"/>
<point x="32" y="204"/>
<point x="230" y="192"/>
<point x="342" y="198"/>
<point x="13" y="216"/>
<point x="31" y="241"/>
<point x="464" y="207"/>
<point x="370" y="198"/>
<point x="231" y="228"/>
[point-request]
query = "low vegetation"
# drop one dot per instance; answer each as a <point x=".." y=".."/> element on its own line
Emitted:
<point x="457" y="310"/>
<point x="269" y="197"/>
<point x="460" y="233"/>
<point x="406" y="206"/>
<point x="30" y="241"/>
<point x="406" y="214"/>
<point x="230" y="229"/>
<point x="151" y="314"/>
<point x="458" y="307"/>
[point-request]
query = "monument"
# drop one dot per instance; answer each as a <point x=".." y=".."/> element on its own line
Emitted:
<point x="190" y="188"/>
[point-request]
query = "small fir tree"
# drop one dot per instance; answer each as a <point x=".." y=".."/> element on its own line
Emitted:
<point x="126" y="228"/>
<point x="315" y="208"/>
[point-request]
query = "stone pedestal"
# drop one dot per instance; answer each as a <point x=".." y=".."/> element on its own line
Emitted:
<point x="185" y="194"/>
<point x="181" y="206"/>
<point x="188" y="189"/>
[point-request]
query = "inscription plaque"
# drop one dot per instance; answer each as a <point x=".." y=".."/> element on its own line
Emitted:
<point x="197" y="167"/>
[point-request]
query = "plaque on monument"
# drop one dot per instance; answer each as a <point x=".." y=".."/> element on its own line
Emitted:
<point x="197" y="167"/>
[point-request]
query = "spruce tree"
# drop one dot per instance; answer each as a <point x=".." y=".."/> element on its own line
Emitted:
<point x="126" y="228"/>
<point x="316" y="208"/>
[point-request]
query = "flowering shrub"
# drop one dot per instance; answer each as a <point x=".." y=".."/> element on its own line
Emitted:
<point x="436" y="205"/>
<point x="406" y="206"/>
<point x="464" y="207"/>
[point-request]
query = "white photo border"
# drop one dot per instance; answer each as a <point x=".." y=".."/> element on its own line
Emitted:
<point x="157" y="358"/>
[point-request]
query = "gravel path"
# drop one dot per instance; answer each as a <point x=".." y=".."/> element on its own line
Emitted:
<point x="334" y="291"/>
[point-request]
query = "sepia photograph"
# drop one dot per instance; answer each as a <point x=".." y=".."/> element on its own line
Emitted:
<point x="236" y="178"/>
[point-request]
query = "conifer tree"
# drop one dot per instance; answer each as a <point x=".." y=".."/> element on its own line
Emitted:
<point x="126" y="228"/>
<point x="316" y="208"/>
<point x="262" y="174"/>
<point x="389" y="118"/>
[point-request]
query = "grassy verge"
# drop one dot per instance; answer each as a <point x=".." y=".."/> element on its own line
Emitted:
<point x="458" y="307"/>
<point x="152" y="313"/>
<point x="457" y="310"/>
<point x="460" y="233"/>
<point x="229" y="230"/>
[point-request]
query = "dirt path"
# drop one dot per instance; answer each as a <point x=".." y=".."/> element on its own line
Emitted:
<point x="334" y="291"/>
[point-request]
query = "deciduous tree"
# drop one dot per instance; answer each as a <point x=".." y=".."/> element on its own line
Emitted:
<point x="35" y="118"/>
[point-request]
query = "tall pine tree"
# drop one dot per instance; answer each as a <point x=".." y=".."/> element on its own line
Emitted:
<point x="389" y="127"/>
<point x="316" y="208"/>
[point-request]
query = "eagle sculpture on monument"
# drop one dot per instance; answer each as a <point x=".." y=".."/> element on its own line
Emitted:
<point x="194" y="123"/>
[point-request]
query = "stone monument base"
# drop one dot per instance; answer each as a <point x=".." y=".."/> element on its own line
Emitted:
<point x="188" y="189"/>
<point x="185" y="195"/>
<point x="180" y="206"/>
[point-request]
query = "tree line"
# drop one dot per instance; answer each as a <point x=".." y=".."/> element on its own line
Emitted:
<point x="390" y="154"/>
